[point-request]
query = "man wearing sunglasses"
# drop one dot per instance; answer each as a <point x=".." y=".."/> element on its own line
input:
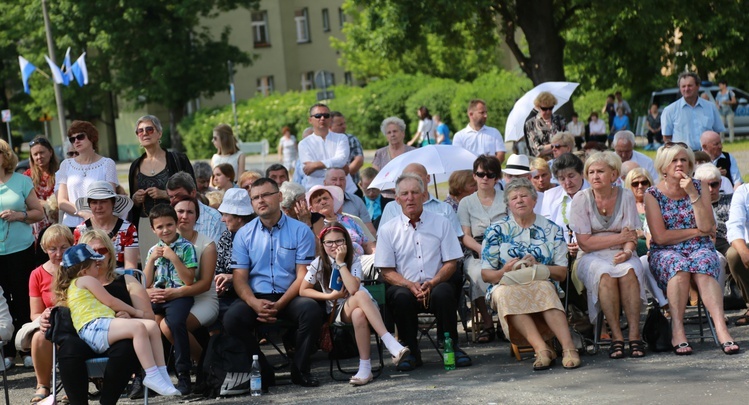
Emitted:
<point x="687" y="118"/>
<point x="323" y="149"/>
<point x="477" y="137"/>
<point x="624" y="144"/>
<point x="729" y="167"/>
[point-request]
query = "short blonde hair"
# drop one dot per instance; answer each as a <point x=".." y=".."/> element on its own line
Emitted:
<point x="636" y="173"/>
<point x="564" y="138"/>
<point x="610" y="159"/>
<point x="250" y="174"/>
<point x="214" y="198"/>
<point x="102" y="237"/>
<point x="10" y="160"/>
<point x="666" y="155"/>
<point x="545" y="98"/>
<point x="707" y="171"/>
<point x="539" y="164"/>
<point x="459" y="181"/>
<point x="56" y="233"/>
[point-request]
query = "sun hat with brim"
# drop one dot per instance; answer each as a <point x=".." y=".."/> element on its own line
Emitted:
<point x="78" y="254"/>
<point x="236" y="202"/>
<point x="103" y="190"/>
<point x="334" y="191"/>
<point x="517" y="165"/>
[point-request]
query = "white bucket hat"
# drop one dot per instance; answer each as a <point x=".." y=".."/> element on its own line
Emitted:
<point x="103" y="190"/>
<point x="517" y="165"/>
<point x="236" y="202"/>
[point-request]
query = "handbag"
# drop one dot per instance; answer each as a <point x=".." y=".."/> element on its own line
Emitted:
<point x="344" y="342"/>
<point x="732" y="298"/>
<point x="657" y="331"/>
<point x="523" y="273"/>
<point x="326" y="339"/>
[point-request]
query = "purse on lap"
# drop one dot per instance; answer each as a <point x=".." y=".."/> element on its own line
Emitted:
<point x="523" y="273"/>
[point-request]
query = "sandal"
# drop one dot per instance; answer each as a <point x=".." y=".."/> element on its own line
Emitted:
<point x="568" y="361"/>
<point x="743" y="320"/>
<point x="683" y="345"/>
<point x="487" y="335"/>
<point x="726" y="347"/>
<point x="544" y="362"/>
<point x="617" y="346"/>
<point x="636" y="348"/>
<point x="39" y="397"/>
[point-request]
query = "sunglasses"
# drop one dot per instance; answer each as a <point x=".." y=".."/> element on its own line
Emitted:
<point x="481" y="175"/>
<point x="321" y="115"/>
<point x="714" y="184"/>
<point x="72" y="154"/>
<point x="546" y="108"/>
<point x="643" y="183"/>
<point x="670" y="144"/>
<point x="78" y="137"/>
<point x="102" y="251"/>
<point x="557" y="146"/>
<point x="147" y="130"/>
<point x="40" y="141"/>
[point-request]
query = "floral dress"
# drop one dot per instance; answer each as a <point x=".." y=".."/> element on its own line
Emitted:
<point x="44" y="189"/>
<point x="696" y="255"/>
<point x="358" y="238"/>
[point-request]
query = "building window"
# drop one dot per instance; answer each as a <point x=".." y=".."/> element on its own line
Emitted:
<point x="308" y="81"/>
<point x="265" y="85"/>
<point x="341" y="17"/>
<point x="302" y="26"/>
<point x="260" y="29"/>
<point x="348" y="78"/>
<point x="325" y="20"/>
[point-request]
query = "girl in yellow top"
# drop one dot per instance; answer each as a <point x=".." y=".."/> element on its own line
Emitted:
<point x="93" y="311"/>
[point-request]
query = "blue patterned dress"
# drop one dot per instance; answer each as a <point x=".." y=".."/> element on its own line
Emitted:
<point x="696" y="255"/>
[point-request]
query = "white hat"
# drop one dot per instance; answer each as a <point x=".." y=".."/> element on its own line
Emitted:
<point x="517" y="165"/>
<point x="236" y="202"/>
<point x="335" y="192"/>
<point x="103" y="190"/>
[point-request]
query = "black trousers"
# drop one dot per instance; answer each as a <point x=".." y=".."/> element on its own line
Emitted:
<point x="175" y="314"/>
<point x="72" y="355"/>
<point x="14" y="280"/>
<point x="241" y="322"/>
<point x="405" y="308"/>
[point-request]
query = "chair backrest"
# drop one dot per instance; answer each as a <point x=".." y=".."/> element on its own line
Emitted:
<point x="378" y="292"/>
<point x="138" y="274"/>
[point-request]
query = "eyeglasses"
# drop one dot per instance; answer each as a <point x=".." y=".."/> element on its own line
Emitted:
<point x="40" y="141"/>
<point x="714" y="184"/>
<point x="102" y="251"/>
<point x="670" y="144"/>
<point x="481" y="175"/>
<point x="263" y="196"/>
<point x="331" y="243"/>
<point x="643" y="183"/>
<point x="558" y="146"/>
<point x="546" y="108"/>
<point x="72" y="154"/>
<point x="321" y="115"/>
<point x="147" y="130"/>
<point x="78" y="137"/>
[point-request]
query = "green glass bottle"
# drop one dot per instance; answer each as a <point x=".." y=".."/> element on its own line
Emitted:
<point x="449" y="355"/>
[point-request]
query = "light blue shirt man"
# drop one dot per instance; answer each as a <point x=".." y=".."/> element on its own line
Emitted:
<point x="687" y="118"/>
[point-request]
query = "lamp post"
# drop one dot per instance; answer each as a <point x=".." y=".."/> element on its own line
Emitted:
<point x="58" y="90"/>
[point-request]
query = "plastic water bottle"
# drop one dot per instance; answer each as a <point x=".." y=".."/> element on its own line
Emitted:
<point x="256" y="380"/>
<point x="449" y="354"/>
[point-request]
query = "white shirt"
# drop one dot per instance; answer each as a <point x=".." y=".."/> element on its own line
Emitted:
<point x="443" y="209"/>
<point x="414" y="253"/>
<point x="485" y="141"/>
<point x="333" y="151"/>
<point x="556" y="207"/>
<point x="646" y="163"/>
<point x="314" y="275"/>
<point x="598" y="127"/>
<point x="78" y="177"/>
<point x="738" y="217"/>
<point x="576" y="129"/>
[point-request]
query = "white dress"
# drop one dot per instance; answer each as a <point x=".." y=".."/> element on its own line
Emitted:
<point x="585" y="219"/>
<point x="288" y="148"/>
<point x="233" y="160"/>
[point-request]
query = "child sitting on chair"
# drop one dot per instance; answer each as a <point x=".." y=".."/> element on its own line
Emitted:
<point x="93" y="311"/>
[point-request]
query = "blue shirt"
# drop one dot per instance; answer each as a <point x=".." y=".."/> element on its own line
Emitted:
<point x="374" y="207"/>
<point x="271" y="255"/>
<point x="15" y="236"/>
<point x="209" y="223"/>
<point x="443" y="130"/>
<point x="685" y="123"/>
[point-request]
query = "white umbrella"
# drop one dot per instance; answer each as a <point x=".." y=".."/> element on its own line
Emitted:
<point x="439" y="160"/>
<point x="516" y="120"/>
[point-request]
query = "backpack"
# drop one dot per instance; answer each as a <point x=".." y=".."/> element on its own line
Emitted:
<point x="226" y="367"/>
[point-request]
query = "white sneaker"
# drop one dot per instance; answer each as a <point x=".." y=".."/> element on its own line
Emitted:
<point x="7" y="364"/>
<point x="156" y="383"/>
<point x="28" y="362"/>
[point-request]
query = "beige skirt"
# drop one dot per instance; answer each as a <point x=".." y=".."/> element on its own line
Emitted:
<point x="534" y="298"/>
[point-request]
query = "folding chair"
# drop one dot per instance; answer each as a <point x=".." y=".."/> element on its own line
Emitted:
<point x="701" y="334"/>
<point x="5" y="375"/>
<point x="266" y="330"/>
<point x="377" y="290"/>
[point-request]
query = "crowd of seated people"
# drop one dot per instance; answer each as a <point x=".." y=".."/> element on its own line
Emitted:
<point x="262" y="249"/>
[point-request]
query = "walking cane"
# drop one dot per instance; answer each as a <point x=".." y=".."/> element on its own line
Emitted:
<point x="570" y="260"/>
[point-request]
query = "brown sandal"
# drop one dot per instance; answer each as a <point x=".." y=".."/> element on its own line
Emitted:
<point x="39" y="397"/>
<point x="487" y="335"/>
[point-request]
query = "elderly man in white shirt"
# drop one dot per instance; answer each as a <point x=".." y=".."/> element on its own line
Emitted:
<point x="323" y="149"/>
<point x="624" y="144"/>
<point x="418" y="259"/>
<point x="477" y="137"/>
<point x="737" y="235"/>
<point x="393" y="209"/>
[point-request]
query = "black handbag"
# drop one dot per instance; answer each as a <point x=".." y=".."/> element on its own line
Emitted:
<point x="732" y="298"/>
<point x="657" y="331"/>
<point x="344" y="343"/>
<point x="61" y="325"/>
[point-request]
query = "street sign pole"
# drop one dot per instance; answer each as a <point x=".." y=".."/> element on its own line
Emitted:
<point x="233" y="94"/>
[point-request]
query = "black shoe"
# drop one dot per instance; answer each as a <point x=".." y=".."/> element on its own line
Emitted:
<point x="304" y="379"/>
<point x="184" y="386"/>
<point x="136" y="392"/>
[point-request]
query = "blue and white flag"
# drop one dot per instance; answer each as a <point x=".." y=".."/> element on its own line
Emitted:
<point x="79" y="70"/>
<point x="26" y="70"/>
<point x="67" y="75"/>
<point x="56" y="72"/>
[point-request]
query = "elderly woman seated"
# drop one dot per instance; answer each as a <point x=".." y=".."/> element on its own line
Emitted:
<point x="605" y="221"/>
<point x="681" y="222"/>
<point x="529" y="311"/>
<point x="295" y="206"/>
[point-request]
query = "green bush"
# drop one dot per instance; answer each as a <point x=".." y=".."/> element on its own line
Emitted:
<point x="436" y="96"/>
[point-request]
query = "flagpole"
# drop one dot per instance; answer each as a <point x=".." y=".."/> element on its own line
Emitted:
<point x="58" y="90"/>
